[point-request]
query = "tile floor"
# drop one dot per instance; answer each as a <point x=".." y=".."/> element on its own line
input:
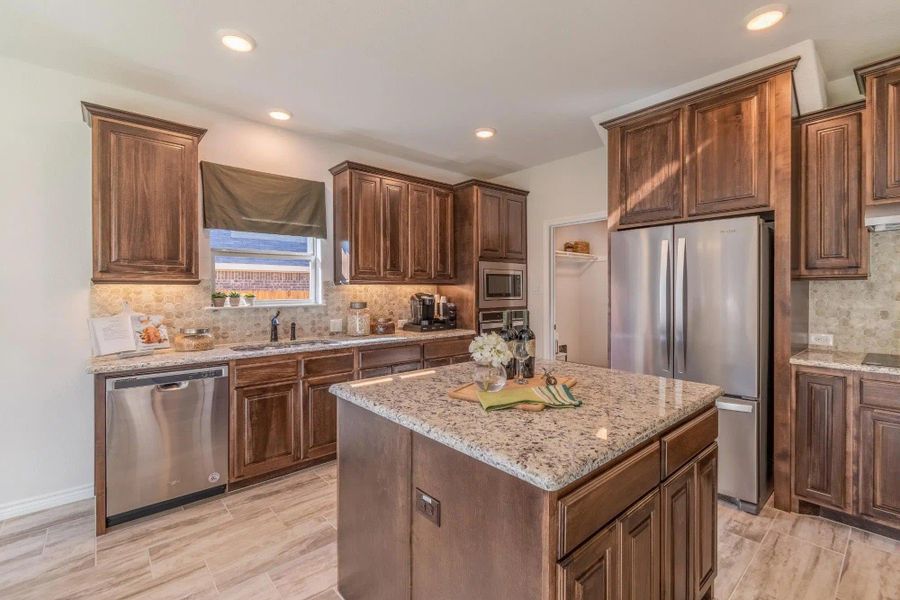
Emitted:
<point x="277" y="541"/>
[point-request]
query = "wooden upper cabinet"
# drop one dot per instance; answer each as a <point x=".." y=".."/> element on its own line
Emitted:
<point x="727" y="148"/>
<point x="145" y="198"/>
<point x="514" y="227"/>
<point x="820" y="439"/>
<point x="646" y="168"/>
<point x="833" y="237"/>
<point x="491" y="213"/>
<point x="390" y="227"/>
<point x="880" y="82"/>
<point x="394" y="215"/>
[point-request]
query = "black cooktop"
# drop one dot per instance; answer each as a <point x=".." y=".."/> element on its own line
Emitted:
<point x="882" y="360"/>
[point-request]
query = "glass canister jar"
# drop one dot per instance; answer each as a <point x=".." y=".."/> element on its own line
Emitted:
<point x="193" y="340"/>
<point x="358" y="321"/>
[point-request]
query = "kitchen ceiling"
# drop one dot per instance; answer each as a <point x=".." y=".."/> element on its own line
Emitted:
<point x="415" y="78"/>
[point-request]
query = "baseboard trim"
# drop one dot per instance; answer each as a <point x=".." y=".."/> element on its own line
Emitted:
<point x="18" y="508"/>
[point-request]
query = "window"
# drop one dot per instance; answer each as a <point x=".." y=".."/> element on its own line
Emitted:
<point x="277" y="269"/>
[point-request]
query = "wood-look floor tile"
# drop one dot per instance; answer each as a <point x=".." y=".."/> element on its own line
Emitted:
<point x="869" y="574"/>
<point x="255" y="588"/>
<point x="313" y="500"/>
<point x="876" y="541"/>
<point x="308" y="575"/>
<point x="21" y="546"/>
<point x="47" y="518"/>
<point x="752" y="527"/>
<point x="271" y="555"/>
<point x="788" y="568"/>
<point x="734" y="555"/>
<point x="821" y="532"/>
<point x="282" y="492"/>
<point x="327" y="595"/>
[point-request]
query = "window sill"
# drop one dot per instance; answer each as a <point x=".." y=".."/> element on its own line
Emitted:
<point x="286" y="304"/>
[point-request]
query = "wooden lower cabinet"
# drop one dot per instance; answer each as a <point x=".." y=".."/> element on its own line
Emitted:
<point x="879" y="465"/>
<point x="265" y="420"/>
<point x="639" y="531"/>
<point x="705" y="549"/>
<point x="820" y="438"/>
<point x="318" y="436"/>
<point x="592" y="571"/>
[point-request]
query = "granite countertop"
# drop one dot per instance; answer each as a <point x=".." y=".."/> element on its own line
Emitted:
<point x="221" y="354"/>
<point x="830" y="359"/>
<point x="551" y="448"/>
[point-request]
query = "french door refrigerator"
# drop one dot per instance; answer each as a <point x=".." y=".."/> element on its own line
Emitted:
<point x="692" y="301"/>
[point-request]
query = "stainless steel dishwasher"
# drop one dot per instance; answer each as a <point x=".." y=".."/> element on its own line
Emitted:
<point x="166" y="440"/>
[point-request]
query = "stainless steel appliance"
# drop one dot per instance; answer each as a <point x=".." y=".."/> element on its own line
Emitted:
<point x="491" y="321"/>
<point x="423" y="316"/>
<point x="502" y="285"/>
<point x="166" y="440"/>
<point x="692" y="301"/>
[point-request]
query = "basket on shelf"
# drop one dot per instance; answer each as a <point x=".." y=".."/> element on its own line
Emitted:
<point x="578" y="246"/>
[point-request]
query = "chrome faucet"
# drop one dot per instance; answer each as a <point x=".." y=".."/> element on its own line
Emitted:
<point x="293" y="331"/>
<point x="273" y="335"/>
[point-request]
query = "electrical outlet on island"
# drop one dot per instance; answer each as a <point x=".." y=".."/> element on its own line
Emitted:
<point x="821" y="339"/>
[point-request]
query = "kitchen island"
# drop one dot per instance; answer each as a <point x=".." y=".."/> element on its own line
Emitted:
<point x="615" y="498"/>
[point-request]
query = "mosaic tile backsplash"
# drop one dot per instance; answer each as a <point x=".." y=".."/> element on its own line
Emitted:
<point x="863" y="315"/>
<point x="184" y="306"/>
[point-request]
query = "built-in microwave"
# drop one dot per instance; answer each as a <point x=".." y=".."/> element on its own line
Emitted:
<point x="501" y="285"/>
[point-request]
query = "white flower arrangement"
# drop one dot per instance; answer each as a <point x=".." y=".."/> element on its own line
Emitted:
<point x="490" y="349"/>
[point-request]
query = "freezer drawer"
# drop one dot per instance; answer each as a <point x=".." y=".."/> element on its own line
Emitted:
<point x="166" y="439"/>
<point x="739" y="449"/>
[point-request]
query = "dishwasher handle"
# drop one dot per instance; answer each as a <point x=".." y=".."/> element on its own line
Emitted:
<point x="172" y="387"/>
<point x="734" y="406"/>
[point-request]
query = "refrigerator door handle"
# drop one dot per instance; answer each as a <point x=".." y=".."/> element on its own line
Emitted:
<point x="680" y="307"/>
<point x="664" y="322"/>
<point x="734" y="407"/>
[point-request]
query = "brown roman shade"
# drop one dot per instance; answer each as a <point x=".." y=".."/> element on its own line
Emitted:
<point x="245" y="200"/>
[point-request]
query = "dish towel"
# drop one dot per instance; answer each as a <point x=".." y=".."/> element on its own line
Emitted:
<point x="551" y="396"/>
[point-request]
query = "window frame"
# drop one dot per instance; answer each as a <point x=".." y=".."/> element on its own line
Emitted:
<point x="315" y="268"/>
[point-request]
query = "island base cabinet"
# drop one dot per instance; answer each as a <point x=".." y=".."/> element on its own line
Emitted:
<point x="592" y="572"/>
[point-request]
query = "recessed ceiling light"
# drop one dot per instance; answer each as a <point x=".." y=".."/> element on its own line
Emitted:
<point x="485" y="132"/>
<point x="765" y="17"/>
<point x="280" y="115"/>
<point x="237" y="41"/>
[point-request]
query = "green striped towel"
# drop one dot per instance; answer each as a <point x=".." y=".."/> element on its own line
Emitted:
<point x="551" y="396"/>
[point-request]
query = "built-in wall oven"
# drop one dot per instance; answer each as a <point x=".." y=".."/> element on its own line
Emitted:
<point x="491" y="321"/>
<point x="501" y="285"/>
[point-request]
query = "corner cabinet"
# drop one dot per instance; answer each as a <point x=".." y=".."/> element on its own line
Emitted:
<point x="391" y="228"/>
<point x="702" y="155"/>
<point x="145" y="197"/>
<point x="880" y="82"/>
<point x="833" y="242"/>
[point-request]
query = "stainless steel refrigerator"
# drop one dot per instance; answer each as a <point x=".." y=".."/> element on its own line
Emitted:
<point x="692" y="301"/>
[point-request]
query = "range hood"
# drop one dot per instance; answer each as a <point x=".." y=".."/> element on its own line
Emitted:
<point x="883" y="218"/>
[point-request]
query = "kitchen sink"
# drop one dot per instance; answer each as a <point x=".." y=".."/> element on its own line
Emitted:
<point x="276" y="345"/>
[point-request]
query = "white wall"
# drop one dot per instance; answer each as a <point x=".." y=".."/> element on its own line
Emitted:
<point x="567" y="188"/>
<point x="46" y="407"/>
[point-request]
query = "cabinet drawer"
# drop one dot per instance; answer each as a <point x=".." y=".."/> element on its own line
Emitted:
<point x="879" y="393"/>
<point x="446" y="348"/>
<point x="438" y="362"/>
<point x="376" y="372"/>
<point x="405" y="367"/>
<point x="596" y="503"/>
<point x="687" y="441"/>
<point x="265" y="372"/>
<point x="328" y="364"/>
<point x="369" y="359"/>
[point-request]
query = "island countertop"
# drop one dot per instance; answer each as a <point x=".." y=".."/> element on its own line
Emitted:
<point x="551" y="448"/>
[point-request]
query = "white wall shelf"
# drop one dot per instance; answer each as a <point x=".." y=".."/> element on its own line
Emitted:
<point x="580" y="256"/>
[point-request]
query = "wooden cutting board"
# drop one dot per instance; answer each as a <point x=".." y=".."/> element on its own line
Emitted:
<point x="469" y="392"/>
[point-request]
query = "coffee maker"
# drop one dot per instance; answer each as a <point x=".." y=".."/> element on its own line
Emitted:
<point x="423" y="317"/>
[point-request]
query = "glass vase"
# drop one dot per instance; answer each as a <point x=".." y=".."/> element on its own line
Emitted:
<point x="489" y="378"/>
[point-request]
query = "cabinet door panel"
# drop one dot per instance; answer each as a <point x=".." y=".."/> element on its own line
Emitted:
<point x="879" y="468"/>
<point x="421" y="232"/>
<point x="820" y="439"/>
<point x="365" y="226"/>
<point x="705" y="551"/>
<point x="145" y="207"/>
<point x="490" y="223"/>
<point x="444" y="250"/>
<point x="678" y="531"/>
<point x="727" y="148"/>
<point x="265" y="435"/>
<point x="514" y="228"/>
<point x="885" y="101"/>
<point x="832" y="195"/>
<point x="318" y="437"/>
<point x="394" y="214"/>
<point x="648" y="154"/>
<point x="639" y="543"/>
<point x="592" y="571"/>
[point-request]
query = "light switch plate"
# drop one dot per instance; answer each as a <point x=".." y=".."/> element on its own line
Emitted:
<point x="821" y="339"/>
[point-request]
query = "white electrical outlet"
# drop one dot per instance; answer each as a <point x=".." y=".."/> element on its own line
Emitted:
<point x="821" y="339"/>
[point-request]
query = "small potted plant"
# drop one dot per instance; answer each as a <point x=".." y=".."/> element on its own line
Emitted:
<point x="491" y="354"/>
<point x="218" y="299"/>
<point x="249" y="298"/>
<point x="234" y="298"/>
